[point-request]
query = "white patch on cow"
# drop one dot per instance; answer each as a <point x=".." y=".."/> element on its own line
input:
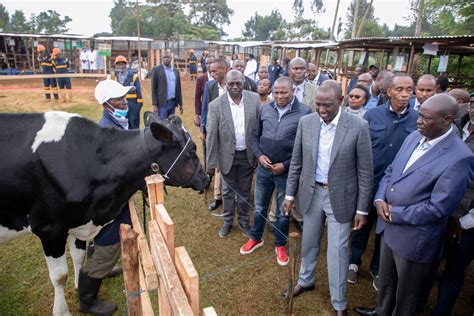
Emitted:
<point x="53" y="128"/>
<point x="57" y="268"/>
<point x="77" y="256"/>
<point x="7" y="234"/>
<point x="87" y="231"/>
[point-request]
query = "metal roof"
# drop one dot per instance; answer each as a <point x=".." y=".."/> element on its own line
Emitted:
<point x="123" y="38"/>
<point x="241" y="44"/>
<point x="77" y="36"/>
<point x="305" y="45"/>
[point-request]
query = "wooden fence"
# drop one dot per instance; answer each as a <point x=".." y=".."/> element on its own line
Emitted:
<point x="156" y="264"/>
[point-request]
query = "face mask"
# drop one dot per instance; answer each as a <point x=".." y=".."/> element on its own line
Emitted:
<point x="117" y="112"/>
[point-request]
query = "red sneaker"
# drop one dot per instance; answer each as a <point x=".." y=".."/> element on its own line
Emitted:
<point x="282" y="257"/>
<point x="250" y="246"/>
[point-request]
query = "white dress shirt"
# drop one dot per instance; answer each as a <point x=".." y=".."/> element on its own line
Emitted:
<point x="423" y="147"/>
<point x="326" y="140"/>
<point x="222" y="89"/>
<point x="417" y="105"/>
<point x="467" y="221"/>
<point x="465" y="131"/>
<point x="238" y="117"/>
<point x="299" y="92"/>
<point x="251" y="69"/>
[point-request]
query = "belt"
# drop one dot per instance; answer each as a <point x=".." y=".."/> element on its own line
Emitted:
<point x="324" y="185"/>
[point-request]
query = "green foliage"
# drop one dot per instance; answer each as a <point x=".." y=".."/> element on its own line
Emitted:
<point x="18" y="22"/>
<point x="304" y="29"/>
<point x="368" y="24"/>
<point x="4" y="17"/>
<point x="317" y="6"/>
<point x="50" y="22"/>
<point x="262" y="28"/>
<point x="454" y="17"/>
<point x="210" y="13"/>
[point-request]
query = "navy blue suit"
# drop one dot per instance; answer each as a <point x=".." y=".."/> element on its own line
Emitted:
<point x="422" y="199"/>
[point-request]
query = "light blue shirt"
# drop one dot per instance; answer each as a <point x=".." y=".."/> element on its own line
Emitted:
<point x="372" y="103"/>
<point x="283" y="110"/>
<point x="326" y="140"/>
<point x="171" y="82"/>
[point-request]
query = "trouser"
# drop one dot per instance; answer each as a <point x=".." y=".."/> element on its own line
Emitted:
<point x="102" y="260"/>
<point x="217" y="185"/>
<point x="50" y="84"/>
<point x="134" y="109"/>
<point x="237" y="183"/>
<point x="359" y="241"/>
<point x="458" y="258"/>
<point x="337" y="250"/>
<point x="168" y="109"/>
<point x="266" y="183"/>
<point x="400" y="281"/>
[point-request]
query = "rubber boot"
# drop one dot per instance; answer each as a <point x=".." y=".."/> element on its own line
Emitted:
<point x="62" y="96"/>
<point x="88" y="289"/>
<point x="68" y="96"/>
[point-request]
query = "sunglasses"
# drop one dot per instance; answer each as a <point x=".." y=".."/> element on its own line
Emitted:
<point x="354" y="96"/>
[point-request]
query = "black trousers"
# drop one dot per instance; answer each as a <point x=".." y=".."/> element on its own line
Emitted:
<point x="400" y="281"/>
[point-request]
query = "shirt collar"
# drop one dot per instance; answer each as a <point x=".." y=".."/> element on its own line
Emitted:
<point x="401" y="113"/>
<point x="231" y="102"/>
<point x="288" y="106"/>
<point x="424" y="143"/>
<point x="334" y="121"/>
<point x="168" y="68"/>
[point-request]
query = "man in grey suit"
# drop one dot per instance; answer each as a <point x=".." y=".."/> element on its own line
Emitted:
<point x="231" y="120"/>
<point x="330" y="177"/>
<point x="305" y="92"/>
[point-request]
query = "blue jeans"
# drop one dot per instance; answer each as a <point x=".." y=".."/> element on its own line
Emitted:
<point x="265" y="183"/>
<point x="167" y="110"/>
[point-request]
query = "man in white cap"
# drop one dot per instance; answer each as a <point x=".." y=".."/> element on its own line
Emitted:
<point x="106" y="250"/>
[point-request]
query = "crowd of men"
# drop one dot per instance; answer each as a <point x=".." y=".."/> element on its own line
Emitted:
<point x="394" y="154"/>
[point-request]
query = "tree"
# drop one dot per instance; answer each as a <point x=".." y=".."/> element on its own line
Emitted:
<point x="262" y="28"/>
<point x="316" y="6"/>
<point x="122" y="19"/>
<point x="18" y="23"/>
<point x="303" y="29"/>
<point x="453" y="17"/>
<point x="4" y="18"/>
<point x="49" y="22"/>
<point x="211" y="13"/>
<point x="350" y="17"/>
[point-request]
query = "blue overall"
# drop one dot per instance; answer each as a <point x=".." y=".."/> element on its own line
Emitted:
<point x="46" y="63"/>
<point x="134" y="99"/>
<point x="61" y="66"/>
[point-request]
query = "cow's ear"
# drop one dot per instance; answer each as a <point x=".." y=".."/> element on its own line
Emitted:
<point x="176" y="120"/>
<point x="149" y="117"/>
<point x="161" y="132"/>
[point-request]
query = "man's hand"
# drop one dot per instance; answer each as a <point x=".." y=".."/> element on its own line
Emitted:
<point x="278" y="168"/>
<point x="454" y="230"/>
<point x="181" y="109"/>
<point x="359" y="221"/>
<point x="197" y="120"/>
<point x="383" y="210"/>
<point x="202" y="136"/>
<point x="211" y="172"/>
<point x="287" y="206"/>
<point x="265" y="162"/>
<point x="155" y="108"/>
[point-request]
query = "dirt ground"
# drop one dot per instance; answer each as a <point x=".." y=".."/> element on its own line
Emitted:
<point x="233" y="284"/>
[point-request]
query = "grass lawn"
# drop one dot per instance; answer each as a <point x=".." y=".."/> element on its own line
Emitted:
<point x="233" y="284"/>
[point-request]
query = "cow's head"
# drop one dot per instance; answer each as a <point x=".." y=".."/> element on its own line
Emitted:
<point x="175" y="152"/>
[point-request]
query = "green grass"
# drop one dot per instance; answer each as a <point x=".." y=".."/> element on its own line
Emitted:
<point x="233" y="284"/>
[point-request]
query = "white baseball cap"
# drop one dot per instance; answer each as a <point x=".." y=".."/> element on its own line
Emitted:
<point x="108" y="89"/>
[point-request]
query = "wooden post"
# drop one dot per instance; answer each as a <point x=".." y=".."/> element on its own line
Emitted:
<point x="166" y="226"/>
<point x="172" y="299"/>
<point x="145" y="296"/>
<point x="293" y="236"/>
<point x="146" y="260"/>
<point x="154" y="185"/>
<point x="189" y="277"/>
<point x="129" y="246"/>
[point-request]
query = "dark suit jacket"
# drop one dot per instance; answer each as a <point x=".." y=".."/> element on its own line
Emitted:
<point x="198" y="94"/>
<point x="424" y="196"/>
<point x="159" y="87"/>
<point x="250" y="85"/>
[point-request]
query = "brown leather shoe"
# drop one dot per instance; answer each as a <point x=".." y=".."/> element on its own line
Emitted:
<point x="340" y="313"/>
<point x="298" y="289"/>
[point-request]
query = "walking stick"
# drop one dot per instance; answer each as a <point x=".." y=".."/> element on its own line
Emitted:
<point x="293" y="235"/>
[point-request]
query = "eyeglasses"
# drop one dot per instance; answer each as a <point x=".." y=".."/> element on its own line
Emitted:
<point x="354" y="96"/>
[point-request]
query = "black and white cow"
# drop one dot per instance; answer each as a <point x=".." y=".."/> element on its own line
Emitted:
<point x="63" y="178"/>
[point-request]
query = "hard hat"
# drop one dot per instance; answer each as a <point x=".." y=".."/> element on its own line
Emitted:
<point x="121" y="59"/>
<point x="56" y="51"/>
<point x="206" y="52"/>
<point x="40" y="48"/>
<point x="192" y="51"/>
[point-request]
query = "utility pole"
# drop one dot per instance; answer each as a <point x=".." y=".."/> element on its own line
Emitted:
<point x="356" y="17"/>
<point x="334" y="20"/>
<point x="366" y="13"/>
<point x="138" y="42"/>
<point x="419" y="18"/>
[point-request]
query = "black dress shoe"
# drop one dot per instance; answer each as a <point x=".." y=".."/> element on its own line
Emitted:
<point x="214" y="204"/>
<point x="298" y="289"/>
<point x="365" y="310"/>
<point x="340" y="313"/>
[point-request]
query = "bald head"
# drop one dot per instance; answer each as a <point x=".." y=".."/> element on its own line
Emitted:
<point x="297" y="70"/>
<point x="365" y="79"/>
<point x="298" y="62"/>
<point x="234" y="81"/>
<point x="312" y="71"/>
<point x="442" y="103"/>
<point x="238" y="65"/>
<point x="234" y="75"/>
<point x="425" y="88"/>
<point x="331" y="86"/>
<point x="285" y="81"/>
<point x="461" y="96"/>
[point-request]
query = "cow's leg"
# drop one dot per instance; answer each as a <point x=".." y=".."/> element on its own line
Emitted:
<point x="58" y="275"/>
<point x="77" y="249"/>
<point x="54" y="246"/>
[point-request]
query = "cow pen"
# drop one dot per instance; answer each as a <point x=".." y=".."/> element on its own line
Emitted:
<point x="156" y="265"/>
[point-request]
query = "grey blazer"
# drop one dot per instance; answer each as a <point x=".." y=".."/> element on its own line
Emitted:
<point x="220" y="138"/>
<point x="350" y="177"/>
<point x="309" y="95"/>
